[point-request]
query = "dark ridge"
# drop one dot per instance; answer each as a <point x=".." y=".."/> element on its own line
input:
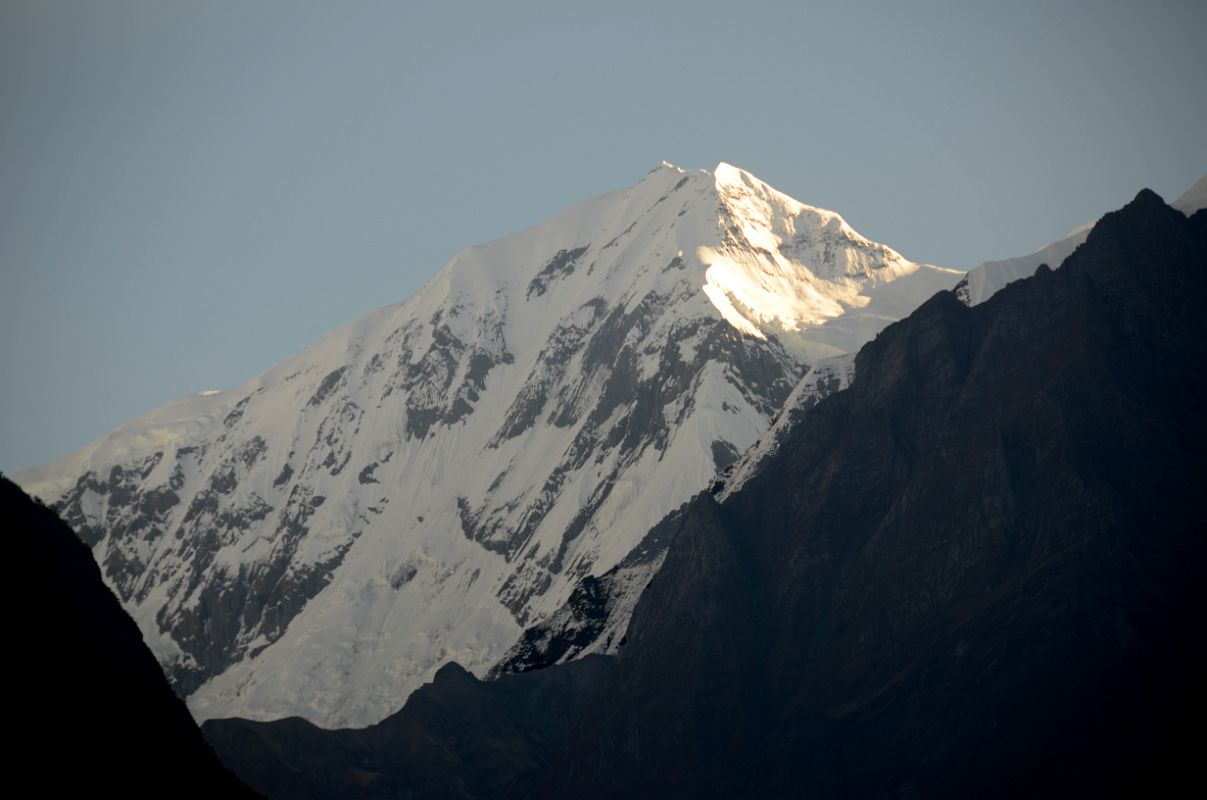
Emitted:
<point x="92" y="712"/>
<point x="456" y="737"/>
<point x="978" y="572"/>
<point x="981" y="571"/>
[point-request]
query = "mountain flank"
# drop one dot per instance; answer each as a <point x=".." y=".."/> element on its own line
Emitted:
<point x="978" y="571"/>
<point x="91" y="710"/>
<point x="425" y="483"/>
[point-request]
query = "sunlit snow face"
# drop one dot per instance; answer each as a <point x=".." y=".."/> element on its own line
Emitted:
<point x="751" y="291"/>
<point x="796" y="267"/>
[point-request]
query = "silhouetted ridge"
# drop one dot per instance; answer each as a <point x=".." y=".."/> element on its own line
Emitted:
<point x="980" y="571"/>
<point x="91" y="710"/>
<point x="457" y="737"/>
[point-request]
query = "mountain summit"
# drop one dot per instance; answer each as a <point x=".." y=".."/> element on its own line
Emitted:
<point x="424" y="482"/>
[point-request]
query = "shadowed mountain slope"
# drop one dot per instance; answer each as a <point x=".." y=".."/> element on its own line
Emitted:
<point x="91" y="710"/>
<point x="980" y="571"/>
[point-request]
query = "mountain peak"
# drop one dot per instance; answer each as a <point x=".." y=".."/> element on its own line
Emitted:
<point x="666" y="165"/>
<point x="1147" y="196"/>
<point x="731" y="179"/>
<point x="426" y="480"/>
<point x="728" y="173"/>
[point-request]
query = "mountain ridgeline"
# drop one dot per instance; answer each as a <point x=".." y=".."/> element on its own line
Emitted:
<point x="979" y="570"/>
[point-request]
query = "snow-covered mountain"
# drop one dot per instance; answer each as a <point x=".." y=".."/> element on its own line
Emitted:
<point x="987" y="278"/>
<point x="596" y="615"/>
<point x="426" y="481"/>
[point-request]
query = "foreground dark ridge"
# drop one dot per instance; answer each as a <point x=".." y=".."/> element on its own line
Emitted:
<point x="979" y="572"/>
<point x="91" y="711"/>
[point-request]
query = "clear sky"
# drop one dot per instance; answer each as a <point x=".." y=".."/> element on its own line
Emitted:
<point x="191" y="192"/>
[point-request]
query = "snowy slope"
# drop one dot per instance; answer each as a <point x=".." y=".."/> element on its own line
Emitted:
<point x="1193" y="198"/>
<point x="426" y="481"/>
<point x="987" y="278"/>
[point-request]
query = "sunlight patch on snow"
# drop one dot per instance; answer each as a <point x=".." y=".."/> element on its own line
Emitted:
<point x="750" y="291"/>
<point x="721" y="301"/>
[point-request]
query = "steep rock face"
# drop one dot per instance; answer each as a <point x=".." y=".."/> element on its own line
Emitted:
<point x="91" y="710"/>
<point x="978" y="571"/>
<point x="421" y="484"/>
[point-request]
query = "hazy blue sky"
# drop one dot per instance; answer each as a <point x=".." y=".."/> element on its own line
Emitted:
<point x="191" y="192"/>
